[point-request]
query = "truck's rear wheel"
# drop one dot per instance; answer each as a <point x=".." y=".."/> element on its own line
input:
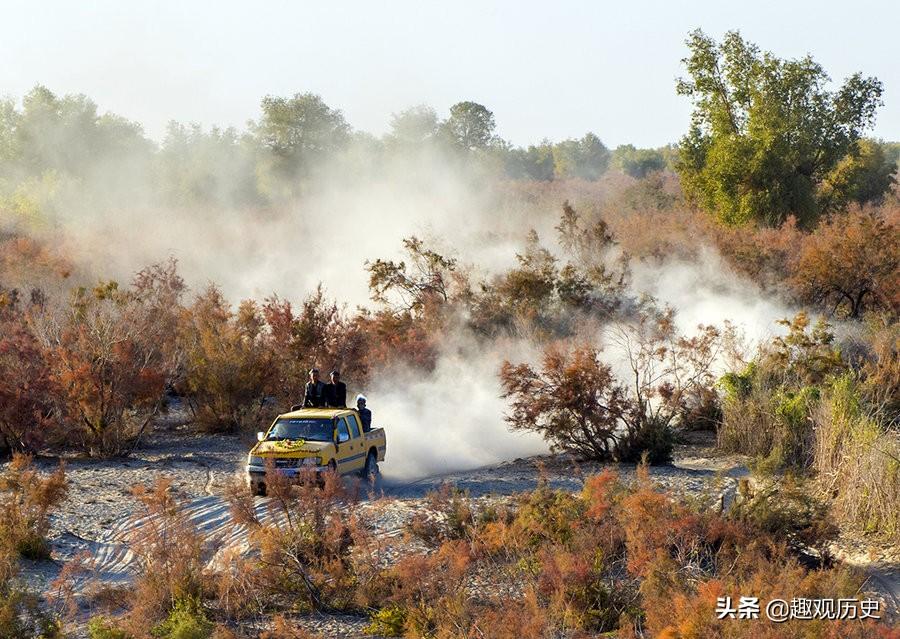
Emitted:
<point x="370" y="470"/>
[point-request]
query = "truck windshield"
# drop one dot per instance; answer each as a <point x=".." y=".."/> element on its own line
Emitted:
<point x="316" y="430"/>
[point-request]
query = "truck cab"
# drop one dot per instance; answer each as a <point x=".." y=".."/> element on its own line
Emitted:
<point x="318" y="440"/>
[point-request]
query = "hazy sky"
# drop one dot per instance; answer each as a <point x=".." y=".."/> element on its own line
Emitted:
<point x="547" y="69"/>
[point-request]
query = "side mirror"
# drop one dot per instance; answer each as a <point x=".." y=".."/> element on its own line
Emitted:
<point x="260" y="436"/>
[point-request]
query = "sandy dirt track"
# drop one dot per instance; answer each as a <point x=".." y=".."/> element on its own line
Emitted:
<point x="99" y="510"/>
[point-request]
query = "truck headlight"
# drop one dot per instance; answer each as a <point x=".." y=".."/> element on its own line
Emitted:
<point x="255" y="461"/>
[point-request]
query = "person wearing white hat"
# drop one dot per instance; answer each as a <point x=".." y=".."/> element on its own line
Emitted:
<point x="364" y="413"/>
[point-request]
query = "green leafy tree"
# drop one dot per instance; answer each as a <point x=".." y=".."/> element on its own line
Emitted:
<point x="9" y="120"/>
<point x="587" y="158"/>
<point x="891" y="151"/>
<point x="638" y="162"/>
<point x="428" y="278"/>
<point x="298" y="132"/>
<point x="765" y="131"/>
<point x="66" y="134"/>
<point x="533" y="163"/>
<point x="864" y="175"/>
<point x="470" y="125"/>
<point x="414" y="125"/>
<point x="200" y="167"/>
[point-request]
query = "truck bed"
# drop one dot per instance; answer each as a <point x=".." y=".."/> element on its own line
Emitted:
<point x="376" y="436"/>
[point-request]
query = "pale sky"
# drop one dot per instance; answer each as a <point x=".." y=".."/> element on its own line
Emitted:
<point x="552" y="69"/>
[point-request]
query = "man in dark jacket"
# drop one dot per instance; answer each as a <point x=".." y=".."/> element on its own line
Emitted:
<point x="314" y="395"/>
<point x="365" y="415"/>
<point x="336" y="391"/>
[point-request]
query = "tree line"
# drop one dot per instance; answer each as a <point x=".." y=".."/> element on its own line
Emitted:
<point x="768" y="140"/>
<point x="49" y="142"/>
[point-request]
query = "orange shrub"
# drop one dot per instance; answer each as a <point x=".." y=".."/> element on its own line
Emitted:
<point x="111" y="354"/>
<point x="398" y="337"/>
<point x="851" y="263"/>
<point x="169" y="551"/>
<point x="27" y="390"/>
<point x="579" y="406"/>
<point x="304" y="549"/>
<point x="320" y="335"/>
<point x="228" y="367"/>
<point x="32" y="263"/>
<point x="430" y="591"/>
<point x="26" y="499"/>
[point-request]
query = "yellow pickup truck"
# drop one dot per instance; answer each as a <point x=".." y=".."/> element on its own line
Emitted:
<point x="317" y="439"/>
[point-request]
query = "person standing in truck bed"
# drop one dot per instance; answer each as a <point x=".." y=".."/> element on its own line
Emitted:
<point x="365" y="415"/>
<point x="314" y="394"/>
<point x="336" y="391"/>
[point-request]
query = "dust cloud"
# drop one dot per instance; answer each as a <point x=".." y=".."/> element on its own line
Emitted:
<point x="452" y="418"/>
<point x="708" y="291"/>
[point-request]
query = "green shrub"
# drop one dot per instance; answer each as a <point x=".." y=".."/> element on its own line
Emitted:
<point x="747" y="423"/>
<point x="33" y="546"/>
<point x="103" y="628"/>
<point x="737" y="386"/>
<point x="767" y="406"/>
<point x="388" y="622"/>
<point x="787" y="509"/>
<point x="654" y="438"/>
<point x="829" y="427"/>
<point x="857" y="457"/>
<point x="547" y="516"/>
<point x="185" y="621"/>
<point x="792" y="438"/>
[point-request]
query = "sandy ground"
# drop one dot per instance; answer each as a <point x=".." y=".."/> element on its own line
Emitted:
<point x="99" y="510"/>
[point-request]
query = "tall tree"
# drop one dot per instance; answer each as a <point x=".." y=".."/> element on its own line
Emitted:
<point x="864" y="175"/>
<point x="533" y="163"/>
<point x="66" y="134"/>
<point x="215" y="167"/>
<point x="587" y="158"/>
<point x="470" y="125"/>
<point x="299" y="131"/>
<point x="638" y="162"/>
<point x="765" y="132"/>
<point x="414" y="125"/>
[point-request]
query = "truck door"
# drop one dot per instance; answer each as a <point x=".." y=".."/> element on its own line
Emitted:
<point x="359" y="439"/>
<point x="351" y="454"/>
